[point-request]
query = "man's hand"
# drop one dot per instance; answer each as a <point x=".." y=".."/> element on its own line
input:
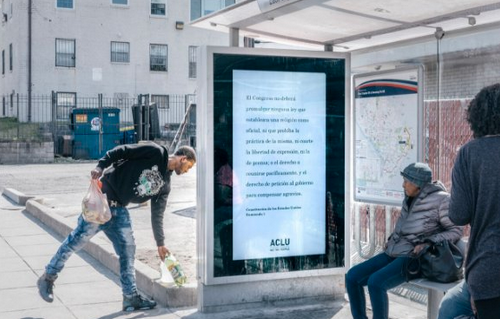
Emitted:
<point x="96" y="173"/>
<point x="163" y="252"/>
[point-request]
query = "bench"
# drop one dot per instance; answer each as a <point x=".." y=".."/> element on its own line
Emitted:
<point x="437" y="290"/>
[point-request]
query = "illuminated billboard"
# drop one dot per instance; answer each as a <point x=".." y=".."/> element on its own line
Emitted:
<point x="277" y="154"/>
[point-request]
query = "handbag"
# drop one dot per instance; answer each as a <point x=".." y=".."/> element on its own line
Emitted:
<point x="441" y="262"/>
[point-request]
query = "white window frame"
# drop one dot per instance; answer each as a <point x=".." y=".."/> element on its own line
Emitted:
<point x="74" y="53"/>
<point x="64" y="8"/>
<point x="162" y="101"/>
<point x="151" y="57"/>
<point x="65" y="103"/>
<point x="192" y="61"/>
<point x="118" y="53"/>
<point x="11" y="57"/>
<point x="151" y="2"/>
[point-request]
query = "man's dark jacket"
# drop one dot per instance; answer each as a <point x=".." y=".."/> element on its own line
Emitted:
<point x="137" y="173"/>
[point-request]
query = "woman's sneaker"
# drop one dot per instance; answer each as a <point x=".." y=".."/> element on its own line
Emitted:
<point x="137" y="302"/>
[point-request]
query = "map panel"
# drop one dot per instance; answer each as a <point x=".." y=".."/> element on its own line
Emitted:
<point x="386" y="134"/>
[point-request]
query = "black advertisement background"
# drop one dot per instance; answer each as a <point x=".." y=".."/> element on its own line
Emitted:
<point x="334" y="68"/>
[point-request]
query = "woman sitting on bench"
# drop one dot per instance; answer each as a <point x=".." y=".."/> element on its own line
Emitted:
<point x="424" y="217"/>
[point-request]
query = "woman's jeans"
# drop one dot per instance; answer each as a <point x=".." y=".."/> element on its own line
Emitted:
<point x="118" y="230"/>
<point x="380" y="273"/>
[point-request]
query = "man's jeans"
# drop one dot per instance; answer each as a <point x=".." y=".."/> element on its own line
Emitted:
<point x="380" y="273"/>
<point x="118" y="230"/>
<point x="456" y="303"/>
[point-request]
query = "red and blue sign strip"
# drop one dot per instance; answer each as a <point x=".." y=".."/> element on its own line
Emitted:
<point x="385" y="87"/>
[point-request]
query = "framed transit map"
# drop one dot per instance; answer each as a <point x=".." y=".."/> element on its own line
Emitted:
<point x="387" y="133"/>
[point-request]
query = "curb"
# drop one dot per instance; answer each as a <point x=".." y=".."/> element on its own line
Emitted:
<point x="146" y="277"/>
<point x="16" y="196"/>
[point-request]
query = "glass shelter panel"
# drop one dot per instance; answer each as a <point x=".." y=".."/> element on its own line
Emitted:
<point x="279" y="164"/>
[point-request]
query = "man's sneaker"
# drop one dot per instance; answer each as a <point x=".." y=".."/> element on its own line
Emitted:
<point x="137" y="302"/>
<point x="46" y="287"/>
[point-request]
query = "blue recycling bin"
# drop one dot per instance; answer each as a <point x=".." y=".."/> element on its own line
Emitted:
<point x="93" y="136"/>
<point x="129" y="136"/>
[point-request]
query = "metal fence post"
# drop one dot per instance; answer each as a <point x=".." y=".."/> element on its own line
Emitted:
<point x="148" y="117"/>
<point x="101" y="122"/>
<point x="53" y="103"/>
<point x="18" y="119"/>
<point x="139" y="118"/>
<point x="388" y="219"/>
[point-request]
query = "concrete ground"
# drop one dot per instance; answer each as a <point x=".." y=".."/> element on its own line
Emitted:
<point x="63" y="186"/>
<point x="86" y="288"/>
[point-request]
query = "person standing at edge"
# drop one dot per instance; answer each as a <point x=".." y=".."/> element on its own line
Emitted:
<point x="424" y="218"/>
<point x="136" y="173"/>
<point x="474" y="200"/>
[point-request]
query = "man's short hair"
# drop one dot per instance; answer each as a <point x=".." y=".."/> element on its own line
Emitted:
<point x="187" y="151"/>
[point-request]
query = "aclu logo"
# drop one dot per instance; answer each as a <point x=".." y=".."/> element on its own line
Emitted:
<point x="279" y="244"/>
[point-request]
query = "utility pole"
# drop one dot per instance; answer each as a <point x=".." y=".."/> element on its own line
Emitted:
<point x="30" y="6"/>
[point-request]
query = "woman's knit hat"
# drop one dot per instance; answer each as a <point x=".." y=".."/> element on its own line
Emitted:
<point x="419" y="174"/>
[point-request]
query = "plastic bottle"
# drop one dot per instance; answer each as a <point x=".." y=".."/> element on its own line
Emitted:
<point x="165" y="278"/>
<point x="175" y="270"/>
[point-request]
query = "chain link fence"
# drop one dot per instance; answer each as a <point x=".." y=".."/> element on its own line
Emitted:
<point x="443" y="136"/>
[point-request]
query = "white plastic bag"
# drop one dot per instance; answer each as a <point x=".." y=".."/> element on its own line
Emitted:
<point x="95" y="208"/>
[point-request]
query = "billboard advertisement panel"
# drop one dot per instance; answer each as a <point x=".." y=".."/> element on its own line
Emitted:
<point x="274" y="128"/>
<point x="279" y="156"/>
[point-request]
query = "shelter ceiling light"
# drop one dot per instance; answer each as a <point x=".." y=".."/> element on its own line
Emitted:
<point x="472" y="20"/>
<point x="439" y="34"/>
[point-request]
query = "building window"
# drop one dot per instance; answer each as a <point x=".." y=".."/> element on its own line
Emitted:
<point x="200" y="8"/>
<point x="162" y="101"/>
<point x="192" y="62"/>
<point x="65" y="53"/>
<point x="158" y="7"/>
<point x="120" y="52"/>
<point x="3" y="61"/>
<point x="120" y="2"/>
<point x="158" y="57"/>
<point x="10" y="57"/>
<point x="66" y="102"/>
<point x="67" y="4"/>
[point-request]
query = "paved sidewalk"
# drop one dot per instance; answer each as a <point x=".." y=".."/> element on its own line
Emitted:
<point x="87" y="289"/>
